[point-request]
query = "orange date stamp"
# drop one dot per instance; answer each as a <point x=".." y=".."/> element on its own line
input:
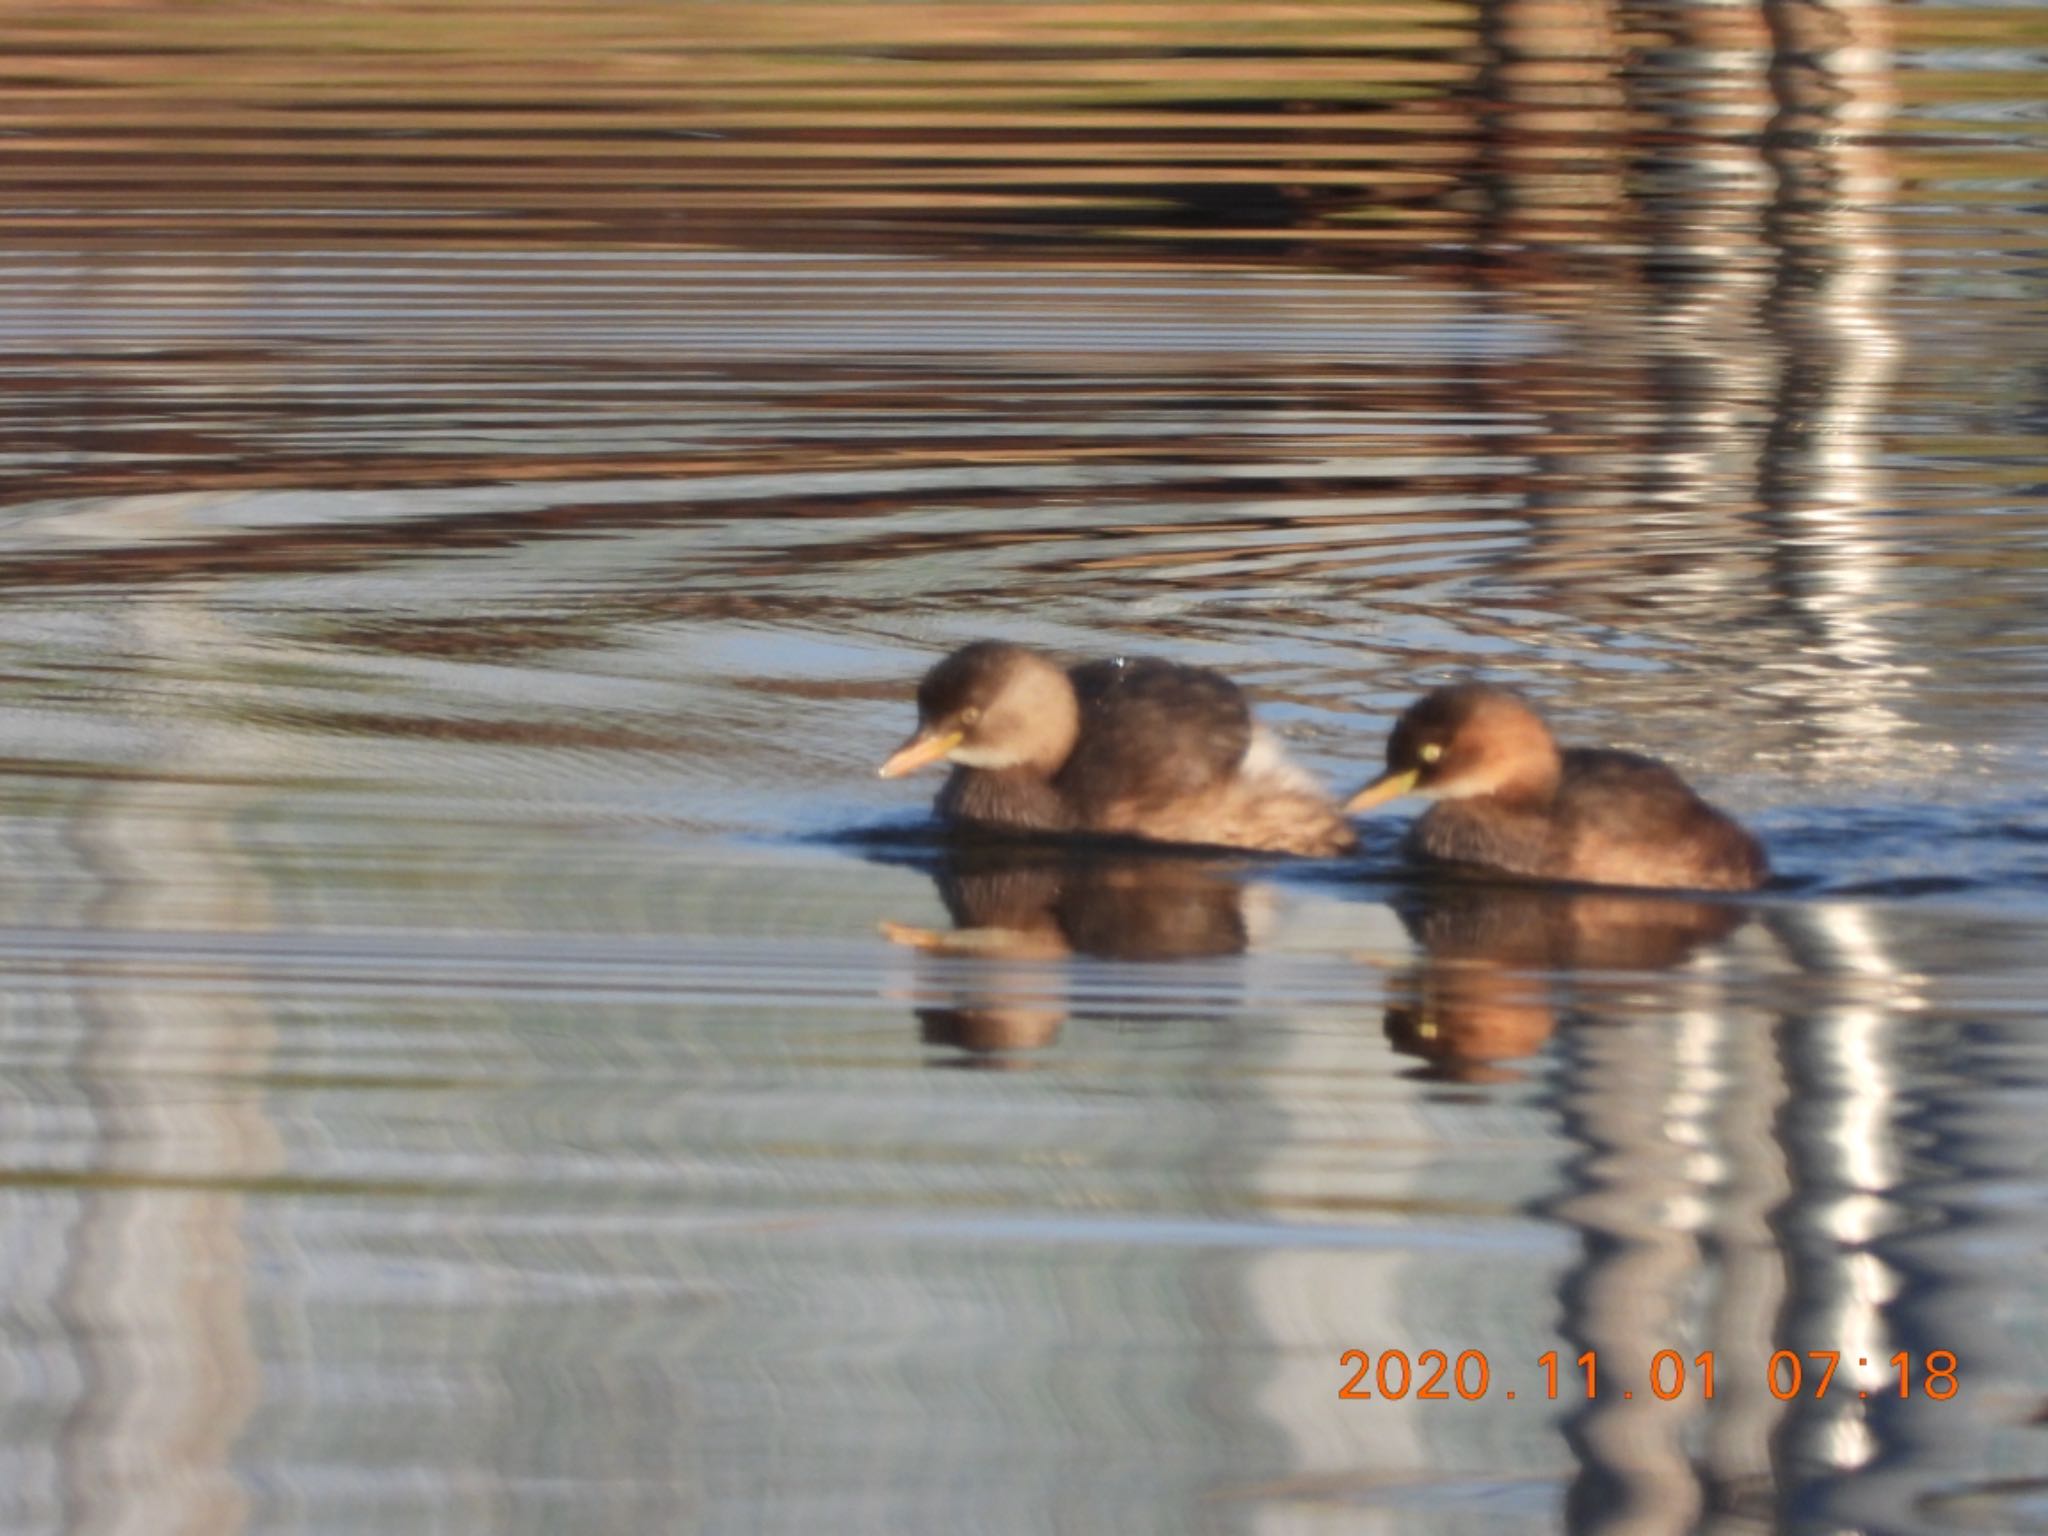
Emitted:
<point x="1435" y="1376"/>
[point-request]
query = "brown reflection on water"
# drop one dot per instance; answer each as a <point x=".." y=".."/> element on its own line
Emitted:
<point x="700" y="121"/>
<point x="1601" y="175"/>
<point x="1673" y="223"/>
<point x="1515" y="134"/>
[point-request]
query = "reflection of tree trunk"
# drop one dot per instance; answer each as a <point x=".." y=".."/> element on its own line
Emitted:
<point x="1811" y="354"/>
<point x="1623" y="1302"/>
<point x="1747" y="318"/>
<point x="1736" y="1059"/>
<point x="1853" y="1462"/>
<point x="155" y="1287"/>
<point x="1550" y="172"/>
<point x="1832" y="82"/>
<point x="1703" y="98"/>
<point x="1672" y="1122"/>
<point x="1839" y="1131"/>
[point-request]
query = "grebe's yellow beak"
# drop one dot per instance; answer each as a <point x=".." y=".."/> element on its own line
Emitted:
<point x="1388" y="786"/>
<point x="926" y="746"/>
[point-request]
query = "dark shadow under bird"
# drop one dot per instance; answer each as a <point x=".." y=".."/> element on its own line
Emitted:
<point x="1011" y="904"/>
<point x="1496" y="962"/>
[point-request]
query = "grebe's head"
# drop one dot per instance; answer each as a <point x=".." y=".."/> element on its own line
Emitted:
<point x="1468" y="739"/>
<point x="991" y="705"/>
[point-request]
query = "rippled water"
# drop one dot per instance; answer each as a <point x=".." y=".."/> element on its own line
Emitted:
<point x="481" y="1051"/>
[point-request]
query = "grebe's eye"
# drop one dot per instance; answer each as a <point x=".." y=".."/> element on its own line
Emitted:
<point x="1431" y="751"/>
<point x="969" y="715"/>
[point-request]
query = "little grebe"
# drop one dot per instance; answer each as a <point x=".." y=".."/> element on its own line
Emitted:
<point x="1510" y="801"/>
<point x="1138" y="748"/>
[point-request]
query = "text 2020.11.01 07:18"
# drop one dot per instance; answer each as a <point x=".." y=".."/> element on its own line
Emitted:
<point x="1436" y="1376"/>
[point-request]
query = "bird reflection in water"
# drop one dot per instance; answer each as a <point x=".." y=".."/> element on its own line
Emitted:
<point x="1019" y="912"/>
<point x="1494" y="962"/>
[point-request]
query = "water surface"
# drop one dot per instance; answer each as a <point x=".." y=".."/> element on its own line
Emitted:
<point x="476" y="488"/>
